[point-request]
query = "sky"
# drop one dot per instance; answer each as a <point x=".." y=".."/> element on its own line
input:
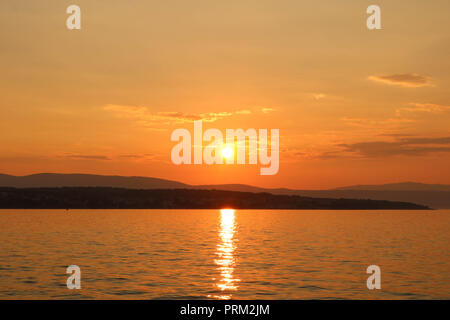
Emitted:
<point x="352" y="105"/>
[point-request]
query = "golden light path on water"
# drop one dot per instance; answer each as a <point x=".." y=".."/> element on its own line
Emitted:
<point x="225" y="254"/>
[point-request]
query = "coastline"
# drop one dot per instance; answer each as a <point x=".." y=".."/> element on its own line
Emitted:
<point x="121" y="198"/>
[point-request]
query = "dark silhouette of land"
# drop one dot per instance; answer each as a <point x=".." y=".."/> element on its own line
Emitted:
<point x="436" y="196"/>
<point x="51" y="180"/>
<point x="402" y="186"/>
<point x="119" y="198"/>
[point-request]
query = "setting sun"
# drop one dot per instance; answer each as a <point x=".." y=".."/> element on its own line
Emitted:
<point x="227" y="152"/>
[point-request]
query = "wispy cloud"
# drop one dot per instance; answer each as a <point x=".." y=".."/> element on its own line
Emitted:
<point x="398" y="145"/>
<point x="145" y="117"/>
<point x="318" y="96"/>
<point x="389" y="123"/>
<point x="112" y="157"/>
<point x="243" y="112"/>
<point x="137" y="156"/>
<point x="405" y="146"/>
<point x="423" y="107"/>
<point x="408" y="80"/>
<point x="267" y="110"/>
<point x="317" y="155"/>
<point x="186" y="117"/>
<point x="86" y="156"/>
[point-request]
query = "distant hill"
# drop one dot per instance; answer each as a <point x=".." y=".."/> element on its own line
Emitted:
<point x="118" y="198"/>
<point x="432" y="195"/>
<point x="86" y="180"/>
<point x="403" y="186"/>
<point x="432" y="198"/>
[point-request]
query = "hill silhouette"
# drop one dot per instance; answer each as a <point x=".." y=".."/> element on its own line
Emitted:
<point x="119" y="198"/>
<point x="402" y="186"/>
<point x="432" y="195"/>
<point x="42" y="180"/>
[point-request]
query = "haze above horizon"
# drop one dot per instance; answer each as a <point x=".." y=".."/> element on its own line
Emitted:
<point x="352" y="105"/>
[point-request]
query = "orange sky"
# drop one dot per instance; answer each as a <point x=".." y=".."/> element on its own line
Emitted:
<point x="353" y="106"/>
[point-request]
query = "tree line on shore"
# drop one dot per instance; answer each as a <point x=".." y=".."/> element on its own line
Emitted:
<point x="120" y="198"/>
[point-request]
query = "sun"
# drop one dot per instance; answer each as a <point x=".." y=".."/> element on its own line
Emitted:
<point x="227" y="152"/>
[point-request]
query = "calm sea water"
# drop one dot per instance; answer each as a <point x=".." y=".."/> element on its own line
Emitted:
<point x="214" y="254"/>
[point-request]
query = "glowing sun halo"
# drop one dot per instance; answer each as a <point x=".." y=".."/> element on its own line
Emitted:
<point x="227" y="152"/>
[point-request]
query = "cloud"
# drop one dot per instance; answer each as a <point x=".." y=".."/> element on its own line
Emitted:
<point x="404" y="146"/>
<point x="186" y="117"/>
<point x="395" y="135"/>
<point x="267" y="110"/>
<point x="318" y="96"/>
<point x="294" y="154"/>
<point x="423" y="107"/>
<point x="137" y="156"/>
<point x="399" y="145"/>
<point x="143" y="116"/>
<point x="243" y="112"/>
<point x="440" y="140"/>
<point x="408" y="80"/>
<point x="86" y="156"/>
<point x="327" y="155"/>
<point x="367" y="123"/>
<point x="119" y="157"/>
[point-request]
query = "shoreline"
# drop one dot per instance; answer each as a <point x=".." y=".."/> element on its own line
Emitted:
<point x="121" y="198"/>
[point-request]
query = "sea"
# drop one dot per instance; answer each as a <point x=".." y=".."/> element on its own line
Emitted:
<point x="224" y="254"/>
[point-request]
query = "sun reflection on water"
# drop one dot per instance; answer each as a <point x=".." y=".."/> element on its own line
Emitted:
<point x="225" y="254"/>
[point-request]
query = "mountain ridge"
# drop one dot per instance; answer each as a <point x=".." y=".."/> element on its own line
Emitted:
<point x="398" y="186"/>
<point x="415" y="192"/>
<point x="40" y="180"/>
<point x="121" y="198"/>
